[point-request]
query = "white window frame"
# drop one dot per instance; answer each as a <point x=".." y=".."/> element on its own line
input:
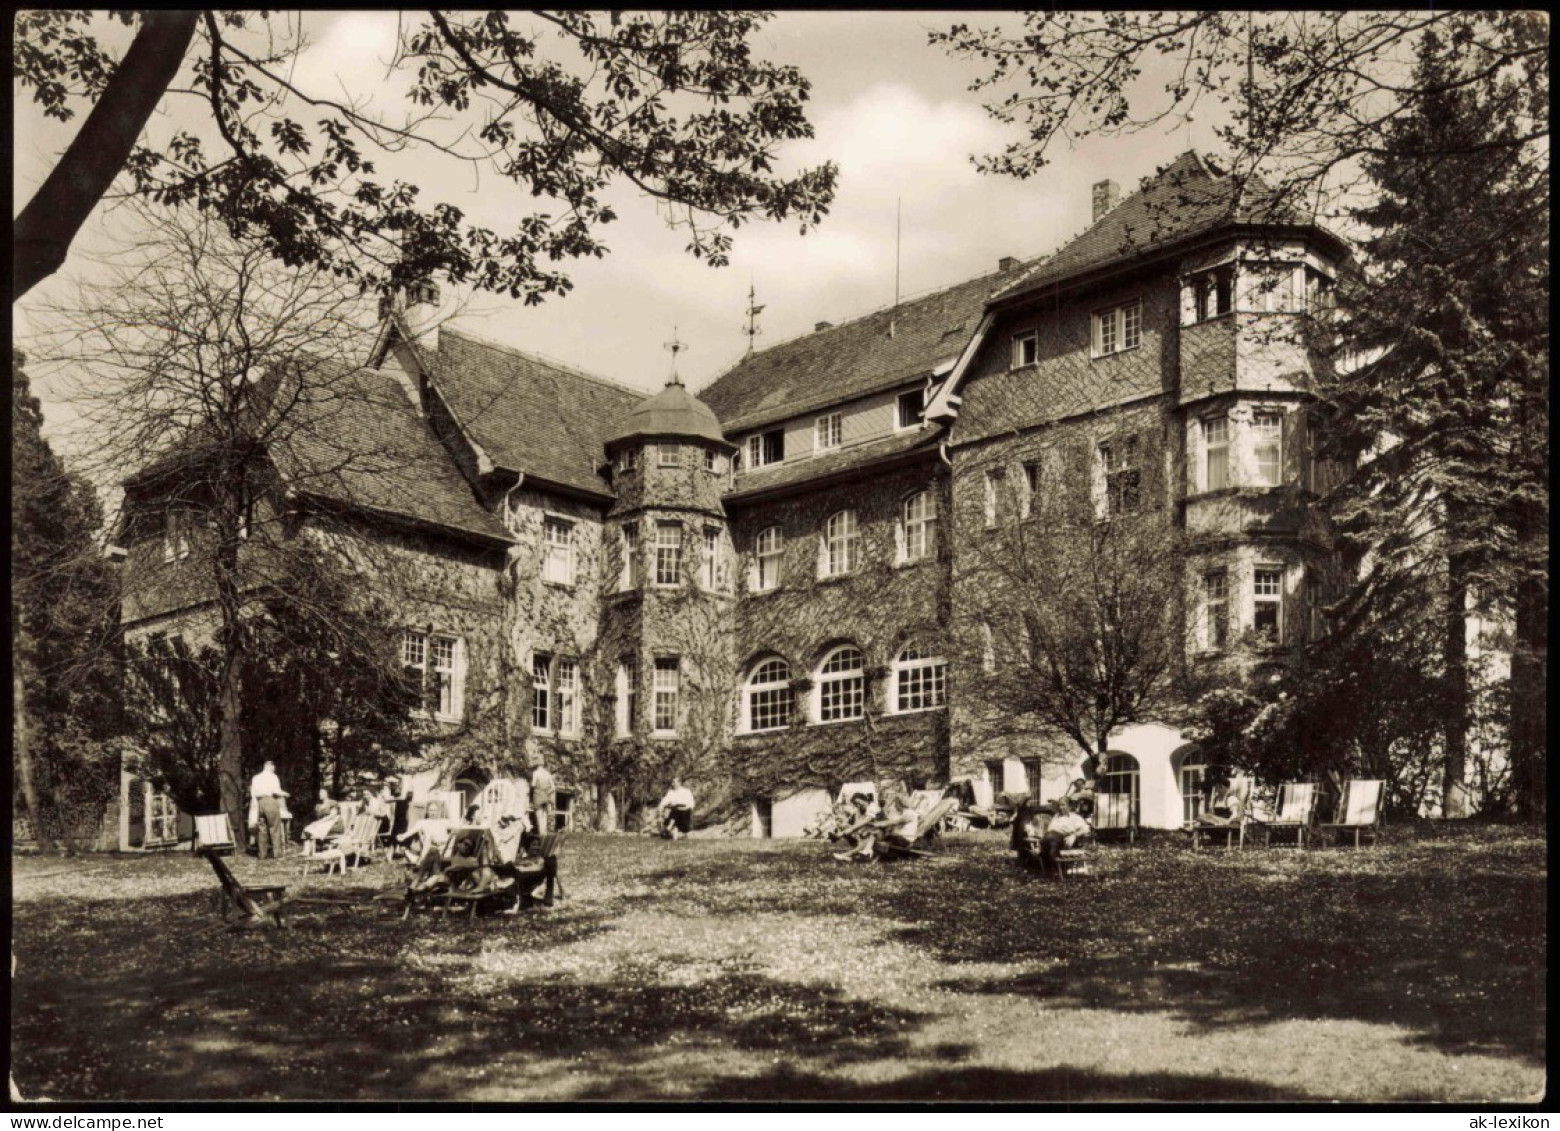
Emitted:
<point x="1223" y="447"/>
<point x="847" y="687"/>
<point x="1116" y="329"/>
<point x="628" y="571"/>
<point x="768" y="561"/>
<point x="918" y="673"/>
<point x="918" y="417"/>
<point x="541" y="693"/>
<point x="1267" y="439"/>
<point x="756" y="447"/>
<point x="558" y="553"/>
<point x="712" y="461"/>
<point x="420" y="652"/>
<point x="1026" y="348"/>
<point x="992" y="484"/>
<point x="176" y="533"/>
<point x="666" y="685"/>
<point x="1214" y="597"/>
<point x="628" y="459"/>
<point x="668" y="551"/>
<point x="917" y="526"/>
<point x="709" y="564"/>
<point x="774" y="696"/>
<point x="1262" y="598"/>
<point x="840" y="544"/>
<point x="1107" y="453"/>
<point x="828" y="431"/>
<point x="566" y="693"/>
<point x="668" y="454"/>
<point x="1029" y="486"/>
<point x="627" y="698"/>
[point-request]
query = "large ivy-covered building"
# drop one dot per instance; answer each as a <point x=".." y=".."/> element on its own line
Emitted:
<point x="757" y="586"/>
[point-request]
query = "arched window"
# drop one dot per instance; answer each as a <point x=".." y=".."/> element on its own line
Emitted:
<point x="839" y="545"/>
<point x="842" y="685"/>
<point x="920" y="680"/>
<point x="767" y="696"/>
<point x="918" y="527"/>
<point x="766" y="559"/>
<point x="1116" y="799"/>
<point x="1190" y="775"/>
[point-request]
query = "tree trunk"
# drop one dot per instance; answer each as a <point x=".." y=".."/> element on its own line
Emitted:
<point x="230" y="746"/>
<point x="1455" y="658"/>
<point x="1529" y="704"/>
<point x="44" y="231"/>
<point x="21" y="737"/>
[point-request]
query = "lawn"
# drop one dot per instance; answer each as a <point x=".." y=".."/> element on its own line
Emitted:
<point x="766" y="970"/>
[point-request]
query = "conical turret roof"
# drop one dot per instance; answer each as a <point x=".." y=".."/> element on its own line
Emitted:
<point x="673" y="412"/>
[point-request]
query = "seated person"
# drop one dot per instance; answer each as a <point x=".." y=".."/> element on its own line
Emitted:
<point x="1029" y="826"/>
<point x="676" y="811"/>
<point x="898" y="822"/>
<point x="861" y="812"/>
<point x="461" y="868"/>
<point x="1226" y="807"/>
<point x="1063" y="832"/>
<point x="324" y="826"/>
<point x="1080" y="796"/>
<point x="427" y="837"/>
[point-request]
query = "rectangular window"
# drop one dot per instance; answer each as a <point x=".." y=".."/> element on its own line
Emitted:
<point x="628" y="576"/>
<point x="767" y="559"/>
<point x="1267" y="447"/>
<point x="436" y="665"/>
<point x="176" y="534"/>
<point x="668" y="455"/>
<point x="1215" y="293"/>
<point x="1026" y="349"/>
<point x="827" y="431"/>
<point x="996" y="775"/>
<point x="628" y="459"/>
<point x="709" y="567"/>
<point x="667" y="678"/>
<point x="1268" y="604"/>
<point x="993" y="483"/>
<point x="1216" y="453"/>
<point x="541" y="692"/>
<point x="1117" y="329"/>
<point x="766" y="447"/>
<point x="1216" y="614"/>
<point x="921" y="685"/>
<point x="1318" y="596"/>
<point x="839" y="550"/>
<point x="558" y="543"/>
<point x="1030" y="487"/>
<point x="909" y="407"/>
<point x="668" y="553"/>
<point x="568" y="706"/>
<point x="627" y="697"/>
<point x="918" y="538"/>
<point x="711" y="460"/>
<point x="1123" y="481"/>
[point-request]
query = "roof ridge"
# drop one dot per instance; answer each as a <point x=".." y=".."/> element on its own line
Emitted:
<point x="543" y="359"/>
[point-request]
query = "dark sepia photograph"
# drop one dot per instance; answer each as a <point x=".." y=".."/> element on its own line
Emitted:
<point x="818" y="557"/>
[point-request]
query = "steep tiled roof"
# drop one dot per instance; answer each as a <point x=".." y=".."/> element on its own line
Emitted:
<point x="1187" y="197"/>
<point x="361" y="442"/>
<point x="674" y="411"/>
<point x="764" y="480"/>
<point x="852" y="359"/>
<point x="529" y="414"/>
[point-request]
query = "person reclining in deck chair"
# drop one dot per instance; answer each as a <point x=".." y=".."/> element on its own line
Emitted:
<point x="856" y="825"/>
<point x="1029" y="825"/>
<point x="676" y="811"/>
<point x="1063" y="832"/>
<point x="326" y="825"/>
<point x="898" y="823"/>
<point x="1226" y="806"/>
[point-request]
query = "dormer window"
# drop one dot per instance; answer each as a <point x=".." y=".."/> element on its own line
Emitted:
<point x="764" y="448"/>
<point x="628" y="459"/>
<point x="909" y="408"/>
<point x="1026" y="349"/>
<point x="827" y="431"/>
<point x="424" y="292"/>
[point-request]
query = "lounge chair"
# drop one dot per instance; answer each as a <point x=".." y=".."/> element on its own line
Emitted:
<point x="1231" y="833"/>
<point x="214" y="831"/>
<point x="260" y="904"/>
<point x="519" y="878"/>
<point x="1359" y="810"/>
<point x="1077" y="860"/>
<point x="359" y="842"/>
<point x="916" y="845"/>
<point x="1296" y="811"/>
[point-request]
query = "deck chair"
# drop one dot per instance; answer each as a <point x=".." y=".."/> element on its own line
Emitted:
<point x="1232" y="835"/>
<point x="1359" y="810"/>
<point x="1296" y="810"/>
<point x="259" y="904"/>
<point x="537" y="868"/>
<point x="214" y="831"/>
<point x="886" y="849"/>
<point x="359" y="843"/>
<point x="1077" y="860"/>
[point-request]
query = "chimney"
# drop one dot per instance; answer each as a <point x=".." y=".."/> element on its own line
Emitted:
<point x="1007" y="263"/>
<point x="823" y="326"/>
<point x="1107" y="194"/>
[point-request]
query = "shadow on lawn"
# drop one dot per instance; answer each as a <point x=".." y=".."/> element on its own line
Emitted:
<point x="1449" y="946"/>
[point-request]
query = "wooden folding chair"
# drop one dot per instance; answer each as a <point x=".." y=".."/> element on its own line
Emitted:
<point x="214" y="831"/>
<point x="260" y="904"/>
<point x="359" y="842"/>
<point x="1359" y="811"/>
<point x="1296" y="811"/>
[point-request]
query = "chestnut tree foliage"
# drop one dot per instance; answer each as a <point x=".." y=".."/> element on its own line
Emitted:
<point x="560" y="104"/>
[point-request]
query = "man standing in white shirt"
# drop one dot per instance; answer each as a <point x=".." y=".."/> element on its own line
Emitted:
<point x="267" y="793"/>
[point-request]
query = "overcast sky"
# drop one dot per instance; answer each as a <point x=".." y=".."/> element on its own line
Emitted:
<point x="893" y="112"/>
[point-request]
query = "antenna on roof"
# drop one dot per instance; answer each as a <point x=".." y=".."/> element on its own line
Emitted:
<point x="753" y="311"/>
<point x="676" y="347"/>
